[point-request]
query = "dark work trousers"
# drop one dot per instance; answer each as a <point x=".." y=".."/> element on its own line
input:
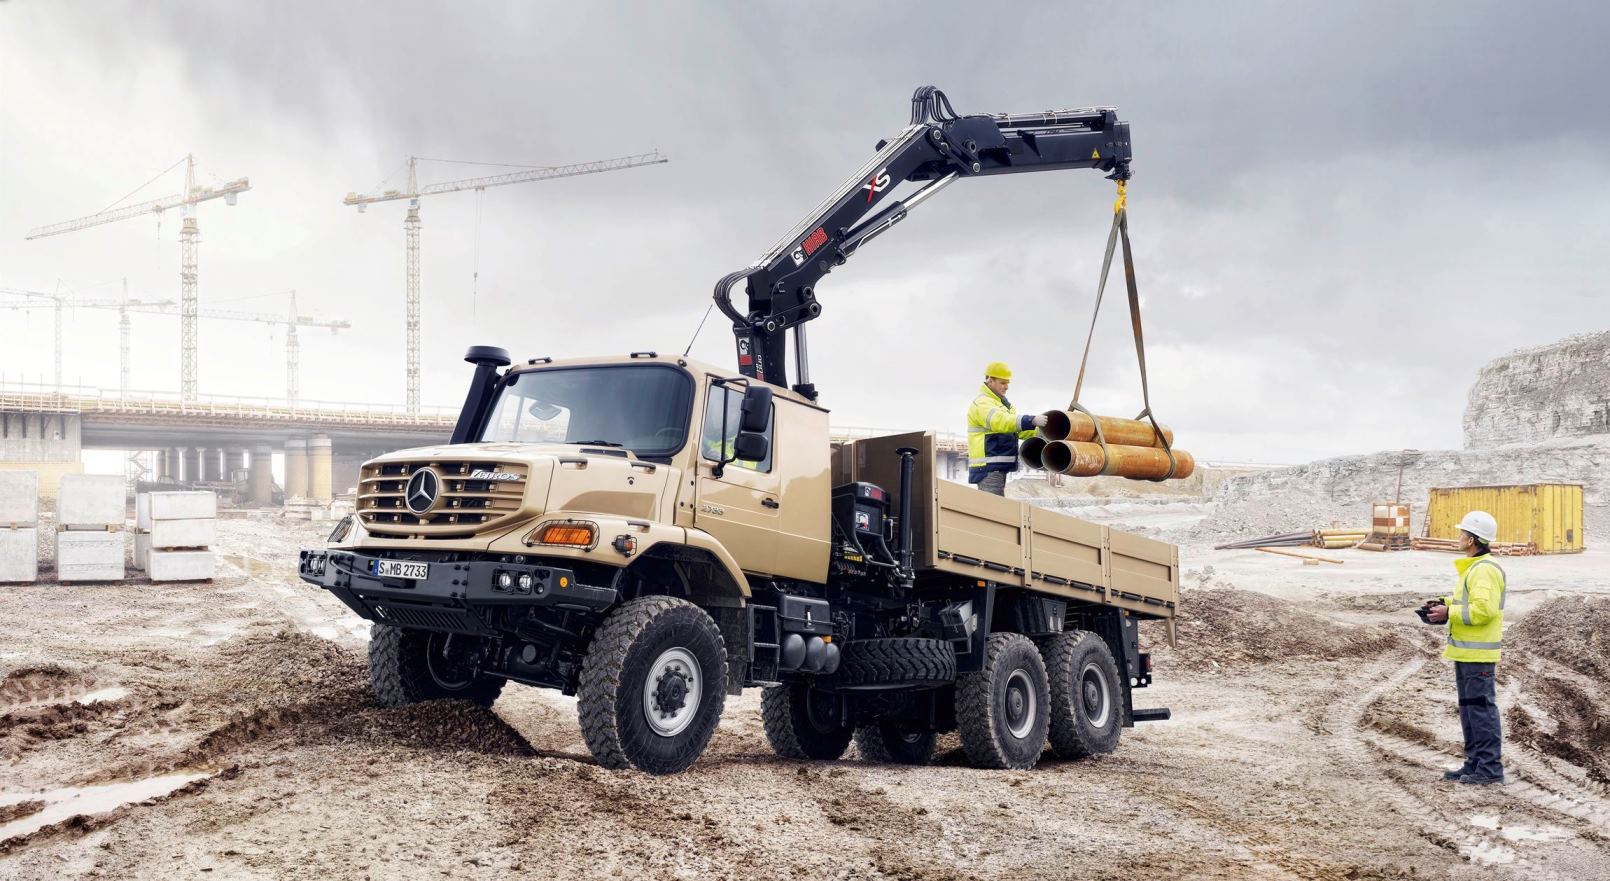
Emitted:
<point x="994" y="482"/>
<point x="1478" y="716"/>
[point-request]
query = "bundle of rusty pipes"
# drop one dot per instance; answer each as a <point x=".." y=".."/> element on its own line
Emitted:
<point x="1069" y="444"/>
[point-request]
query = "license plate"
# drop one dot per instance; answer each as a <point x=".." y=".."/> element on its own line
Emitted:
<point x="401" y="569"/>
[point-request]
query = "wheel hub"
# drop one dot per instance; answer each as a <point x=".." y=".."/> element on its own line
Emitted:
<point x="1020" y="704"/>
<point x="672" y="691"/>
<point x="1096" y="695"/>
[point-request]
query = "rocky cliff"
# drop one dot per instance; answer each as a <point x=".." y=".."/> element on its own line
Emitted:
<point x="1561" y="390"/>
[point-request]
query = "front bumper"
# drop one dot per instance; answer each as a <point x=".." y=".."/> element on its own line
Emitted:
<point x="456" y="597"/>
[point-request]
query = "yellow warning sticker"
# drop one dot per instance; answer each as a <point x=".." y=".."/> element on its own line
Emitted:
<point x="1095" y="154"/>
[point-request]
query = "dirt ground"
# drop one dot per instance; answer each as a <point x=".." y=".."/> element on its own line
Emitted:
<point x="225" y="730"/>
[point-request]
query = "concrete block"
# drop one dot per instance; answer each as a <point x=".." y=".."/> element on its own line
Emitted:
<point x="183" y="533"/>
<point x="180" y="565"/>
<point x="142" y="547"/>
<point x="92" y="500"/>
<point x="151" y="507"/>
<point x="19" y="498"/>
<point x="19" y="554"/>
<point x="89" y="556"/>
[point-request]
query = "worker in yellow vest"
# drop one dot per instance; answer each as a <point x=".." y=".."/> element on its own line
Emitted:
<point x="993" y="430"/>
<point x="1475" y="617"/>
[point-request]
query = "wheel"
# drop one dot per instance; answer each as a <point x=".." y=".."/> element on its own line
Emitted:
<point x="652" y="685"/>
<point x="1002" y="710"/>
<point x="892" y="742"/>
<point x="1086" y="708"/>
<point x="409" y="666"/>
<point x="803" y="722"/>
<point x="903" y="662"/>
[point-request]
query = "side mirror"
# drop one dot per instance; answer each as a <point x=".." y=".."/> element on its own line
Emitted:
<point x="751" y="446"/>
<point x="756" y="409"/>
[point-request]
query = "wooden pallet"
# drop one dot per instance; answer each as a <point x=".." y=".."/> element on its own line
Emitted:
<point x="1382" y="541"/>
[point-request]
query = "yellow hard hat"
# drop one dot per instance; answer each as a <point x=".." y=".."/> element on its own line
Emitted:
<point x="998" y="370"/>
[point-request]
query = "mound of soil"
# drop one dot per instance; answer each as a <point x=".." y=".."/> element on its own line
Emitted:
<point x="1228" y="626"/>
<point x="1573" y="632"/>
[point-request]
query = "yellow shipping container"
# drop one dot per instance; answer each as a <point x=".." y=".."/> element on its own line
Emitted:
<point x="1548" y="515"/>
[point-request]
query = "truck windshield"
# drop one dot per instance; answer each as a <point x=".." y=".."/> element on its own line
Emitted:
<point x="641" y="407"/>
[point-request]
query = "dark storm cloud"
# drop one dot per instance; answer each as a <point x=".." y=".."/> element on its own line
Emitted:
<point x="1340" y="210"/>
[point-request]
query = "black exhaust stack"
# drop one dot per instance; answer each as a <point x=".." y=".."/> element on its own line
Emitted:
<point x="907" y="463"/>
<point x="487" y="360"/>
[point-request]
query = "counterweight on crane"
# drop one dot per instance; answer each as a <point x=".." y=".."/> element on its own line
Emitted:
<point x="411" y="224"/>
<point x="189" y="241"/>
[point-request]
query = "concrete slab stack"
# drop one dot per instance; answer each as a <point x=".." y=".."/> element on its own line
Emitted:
<point x="19" y="526"/>
<point x="90" y="513"/>
<point x="174" y="535"/>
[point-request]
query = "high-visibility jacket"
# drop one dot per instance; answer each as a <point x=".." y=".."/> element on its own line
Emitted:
<point x="1476" y="611"/>
<point x="993" y="430"/>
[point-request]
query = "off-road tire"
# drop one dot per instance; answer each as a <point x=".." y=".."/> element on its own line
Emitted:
<point x="901" y="662"/>
<point x="892" y="743"/>
<point x="1011" y="690"/>
<point x="610" y="703"/>
<point x="1086" y="700"/>
<point x="400" y="673"/>
<point x="795" y="732"/>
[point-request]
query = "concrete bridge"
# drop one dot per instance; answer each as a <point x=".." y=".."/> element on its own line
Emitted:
<point x="216" y="438"/>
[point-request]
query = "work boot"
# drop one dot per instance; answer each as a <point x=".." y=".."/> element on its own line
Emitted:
<point x="1480" y="780"/>
<point x="1453" y="774"/>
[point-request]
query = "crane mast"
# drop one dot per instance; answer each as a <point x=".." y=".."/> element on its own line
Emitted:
<point x="412" y="223"/>
<point x="189" y="243"/>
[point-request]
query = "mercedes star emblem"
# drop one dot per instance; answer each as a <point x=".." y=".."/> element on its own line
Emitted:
<point x="422" y="490"/>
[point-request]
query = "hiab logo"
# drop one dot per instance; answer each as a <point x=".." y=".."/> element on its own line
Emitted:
<point x="878" y="183"/>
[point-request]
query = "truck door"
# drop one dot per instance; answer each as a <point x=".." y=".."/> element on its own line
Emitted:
<point x="741" y="507"/>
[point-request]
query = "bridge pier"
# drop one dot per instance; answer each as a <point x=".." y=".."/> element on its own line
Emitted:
<point x="295" y="469"/>
<point x="191" y="459"/>
<point x="319" y="474"/>
<point x="260" y="484"/>
<point x="234" y="462"/>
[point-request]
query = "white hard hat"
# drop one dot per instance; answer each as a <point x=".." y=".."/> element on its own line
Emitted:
<point x="1480" y="524"/>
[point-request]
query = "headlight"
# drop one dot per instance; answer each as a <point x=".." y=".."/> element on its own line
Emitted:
<point x="565" y="533"/>
<point x="341" y="531"/>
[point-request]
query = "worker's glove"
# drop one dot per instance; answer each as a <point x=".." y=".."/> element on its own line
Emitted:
<point x="1041" y="421"/>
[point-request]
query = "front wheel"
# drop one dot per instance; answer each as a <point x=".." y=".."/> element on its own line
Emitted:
<point x="409" y="666"/>
<point x="652" y="686"/>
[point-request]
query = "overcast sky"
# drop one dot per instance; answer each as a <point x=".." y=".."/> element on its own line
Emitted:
<point x="1340" y="211"/>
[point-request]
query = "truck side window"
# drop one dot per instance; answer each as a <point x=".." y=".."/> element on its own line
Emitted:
<point x="713" y="445"/>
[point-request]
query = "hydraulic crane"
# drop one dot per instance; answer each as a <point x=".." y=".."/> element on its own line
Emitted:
<point x="937" y="147"/>
<point x="411" y="225"/>
<point x="189" y="240"/>
<point x="290" y="321"/>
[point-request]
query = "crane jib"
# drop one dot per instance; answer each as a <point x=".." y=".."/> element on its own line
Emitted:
<point x="937" y="147"/>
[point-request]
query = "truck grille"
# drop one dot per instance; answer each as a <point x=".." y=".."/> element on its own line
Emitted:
<point x="463" y="507"/>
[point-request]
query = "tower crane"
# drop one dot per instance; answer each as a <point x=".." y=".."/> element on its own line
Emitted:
<point x="411" y="225"/>
<point x="290" y="321"/>
<point x="122" y="306"/>
<point x="189" y="240"/>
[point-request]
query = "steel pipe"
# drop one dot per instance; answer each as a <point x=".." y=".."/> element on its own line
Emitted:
<point x="1030" y="451"/>
<point x="1072" y="425"/>
<point x="1081" y="459"/>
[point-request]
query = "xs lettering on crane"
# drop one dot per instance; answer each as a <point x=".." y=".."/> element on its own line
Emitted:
<point x="878" y="183"/>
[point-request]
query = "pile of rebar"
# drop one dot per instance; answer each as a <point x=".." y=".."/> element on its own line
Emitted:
<point x="1134" y="449"/>
<point x="1288" y="540"/>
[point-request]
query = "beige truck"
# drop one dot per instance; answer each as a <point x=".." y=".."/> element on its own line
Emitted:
<point x="653" y="534"/>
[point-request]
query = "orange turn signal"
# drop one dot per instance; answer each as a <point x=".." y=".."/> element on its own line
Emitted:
<point x="569" y="533"/>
